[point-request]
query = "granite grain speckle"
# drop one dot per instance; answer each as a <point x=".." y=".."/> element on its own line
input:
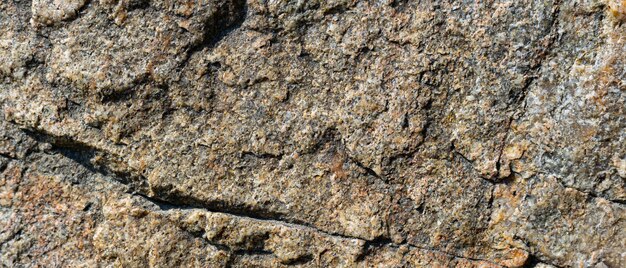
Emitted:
<point x="238" y="133"/>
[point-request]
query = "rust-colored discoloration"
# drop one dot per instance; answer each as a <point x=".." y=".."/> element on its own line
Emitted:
<point x="336" y="166"/>
<point x="617" y="8"/>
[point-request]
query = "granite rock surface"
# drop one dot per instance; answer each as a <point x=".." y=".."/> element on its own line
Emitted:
<point x="337" y="133"/>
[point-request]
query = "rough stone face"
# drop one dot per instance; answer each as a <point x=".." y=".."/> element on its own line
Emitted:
<point x="238" y="133"/>
<point x="48" y="12"/>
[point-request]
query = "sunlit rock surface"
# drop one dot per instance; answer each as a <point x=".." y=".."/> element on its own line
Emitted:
<point x="340" y="133"/>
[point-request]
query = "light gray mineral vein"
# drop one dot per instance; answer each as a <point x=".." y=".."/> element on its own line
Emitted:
<point x="336" y="133"/>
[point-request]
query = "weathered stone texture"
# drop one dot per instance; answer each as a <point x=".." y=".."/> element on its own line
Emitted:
<point x="394" y="133"/>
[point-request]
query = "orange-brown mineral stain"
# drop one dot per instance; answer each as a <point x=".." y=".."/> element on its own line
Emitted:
<point x="515" y="258"/>
<point x="617" y="9"/>
<point x="337" y="166"/>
